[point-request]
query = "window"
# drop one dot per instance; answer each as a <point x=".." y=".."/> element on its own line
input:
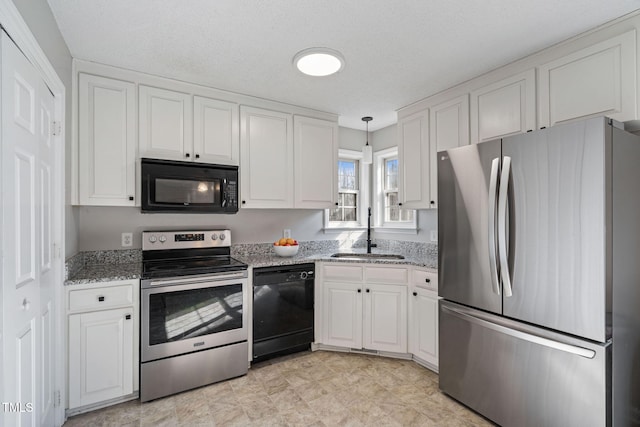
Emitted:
<point x="389" y="214"/>
<point x="353" y="192"/>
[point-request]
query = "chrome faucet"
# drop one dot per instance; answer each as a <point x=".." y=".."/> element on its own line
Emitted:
<point x="369" y="244"/>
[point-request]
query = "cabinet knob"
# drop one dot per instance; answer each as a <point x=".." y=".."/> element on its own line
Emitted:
<point x="359" y="290"/>
<point x="131" y="198"/>
<point x="432" y="202"/>
<point x="128" y="317"/>
<point x="336" y="203"/>
<point x="368" y="290"/>
<point x="197" y="156"/>
<point x="101" y="298"/>
<point x="415" y="294"/>
<point x="187" y="155"/>
<point x="427" y="280"/>
<point x="399" y="204"/>
<point x="244" y="202"/>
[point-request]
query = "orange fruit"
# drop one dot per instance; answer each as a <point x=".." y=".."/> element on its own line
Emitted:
<point x="282" y="241"/>
<point x="276" y="243"/>
<point x="290" y="241"/>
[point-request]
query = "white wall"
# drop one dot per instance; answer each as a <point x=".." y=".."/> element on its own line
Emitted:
<point x="38" y="16"/>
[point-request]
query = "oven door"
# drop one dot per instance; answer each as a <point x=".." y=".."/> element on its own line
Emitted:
<point x="192" y="313"/>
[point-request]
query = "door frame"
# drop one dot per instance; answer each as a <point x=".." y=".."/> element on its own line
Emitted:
<point x="16" y="27"/>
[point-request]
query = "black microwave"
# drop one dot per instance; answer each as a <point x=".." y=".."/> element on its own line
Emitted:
<point x="187" y="187"/>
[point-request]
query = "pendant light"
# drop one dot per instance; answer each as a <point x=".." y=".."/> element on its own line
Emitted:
<point x="367" y="150"/>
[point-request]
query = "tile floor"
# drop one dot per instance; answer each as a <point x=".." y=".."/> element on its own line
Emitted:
<point x="306" y="389"/>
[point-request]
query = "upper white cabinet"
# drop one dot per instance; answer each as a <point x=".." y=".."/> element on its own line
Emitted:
<point x="504" y="108"/>
<point x="316" y="161"/>
<point x="449" y="128"/>
<point x="215" y="131"/>
<point x="166" y="119"/>
<point x="266" y="153"/>
<point x="413" y="160"/>
<point x="598" y="80"/>
<point x="107" y="141"/>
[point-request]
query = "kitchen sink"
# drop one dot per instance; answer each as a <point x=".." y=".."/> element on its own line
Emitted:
<point x="366" y="256"/>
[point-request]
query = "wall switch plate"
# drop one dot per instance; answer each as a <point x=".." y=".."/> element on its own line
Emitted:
<point x="127" y="240"/>
<point x="286" y="233"/>
<point x="434" y="235"/>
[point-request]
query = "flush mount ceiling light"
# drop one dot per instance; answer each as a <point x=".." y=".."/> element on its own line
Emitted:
<point x="318" y="61"/>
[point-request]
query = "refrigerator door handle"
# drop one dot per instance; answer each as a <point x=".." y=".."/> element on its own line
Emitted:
<point x="502" y="226"/>
<point x="568" y="348"/>
<point x="493" y="187"/>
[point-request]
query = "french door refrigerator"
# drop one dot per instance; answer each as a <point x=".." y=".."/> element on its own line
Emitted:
<point x="539" y="271"/>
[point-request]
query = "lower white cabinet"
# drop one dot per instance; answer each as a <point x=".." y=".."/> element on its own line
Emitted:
<point x="365" y="313"/>
<point x="423" y="317"/>
<point x="103" y="329"/>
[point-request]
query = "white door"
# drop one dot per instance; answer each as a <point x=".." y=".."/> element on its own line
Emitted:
<point x="28" y="272"/>
<point x="423" y="336"/>
<point x="343" y="314"/>
<point x="100" y="356"/>
<point x="385" y="318"/>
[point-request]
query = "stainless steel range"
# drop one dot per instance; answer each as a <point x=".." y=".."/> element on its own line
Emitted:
<point x="194" y="299"/>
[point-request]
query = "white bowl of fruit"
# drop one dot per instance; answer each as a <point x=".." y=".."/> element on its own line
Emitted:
<point x="286" y="247"/>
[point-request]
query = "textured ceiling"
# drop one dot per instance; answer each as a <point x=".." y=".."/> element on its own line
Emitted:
<point x="397" y="51"/>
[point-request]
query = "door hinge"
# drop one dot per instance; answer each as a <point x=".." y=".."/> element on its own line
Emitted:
<point x="57" y="128"/>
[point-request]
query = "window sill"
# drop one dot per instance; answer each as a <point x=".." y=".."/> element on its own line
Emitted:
<point x="340" y="229"/>
<point x="396" y="230"/>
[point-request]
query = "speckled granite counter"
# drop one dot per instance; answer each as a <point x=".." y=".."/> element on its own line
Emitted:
<point x="106" y="266"/>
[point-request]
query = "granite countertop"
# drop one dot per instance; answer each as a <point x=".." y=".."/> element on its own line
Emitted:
<point x="98" y="273"/>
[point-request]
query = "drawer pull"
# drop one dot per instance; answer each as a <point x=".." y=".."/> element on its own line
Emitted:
<point x="427" y="280"/>
<point x="368" y="290"/>
<point x="359" y="290"/>
<point x="415" y="294"/>
<point x="101" y="298"/>
<point x="128" y="317"/>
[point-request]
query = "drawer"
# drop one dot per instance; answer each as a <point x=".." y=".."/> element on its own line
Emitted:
<point x="351" y="273"/>
<point x="99" y="298"/>
<point x="386" y="275"/>
<point x="425" y="279"/>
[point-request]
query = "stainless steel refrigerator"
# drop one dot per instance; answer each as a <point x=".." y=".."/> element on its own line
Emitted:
<point x="539" y="271"/>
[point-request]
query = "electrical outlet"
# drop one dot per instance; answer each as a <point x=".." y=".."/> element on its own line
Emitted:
<point x="434" y="235"/>
<point x="127" y="240"/>
<point x="286" y="233"/>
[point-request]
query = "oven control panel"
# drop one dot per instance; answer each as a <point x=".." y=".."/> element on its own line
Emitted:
<point x="162" y="240"/>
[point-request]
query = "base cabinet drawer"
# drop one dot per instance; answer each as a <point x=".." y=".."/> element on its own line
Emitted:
<point x="100" y="298"/>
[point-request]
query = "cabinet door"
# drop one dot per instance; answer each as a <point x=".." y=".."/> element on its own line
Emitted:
<point x="266" y="159"/>
<point x="342" y="315"/>
<point x="316" y="162"/>
<point x="423" y="329"/>
<point x="215" y="131"/>
<point x="449" y="128"/>
<point x="598" y="80"/>
<point x="413" y="156"/>
<point x="504" y="108"/>
<point x="385" y="318"/>
<point x="106" y="141"/>
<point x="166" y="121"/>
<point x="101" y="356"/>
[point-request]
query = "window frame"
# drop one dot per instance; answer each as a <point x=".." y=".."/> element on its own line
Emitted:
<point x="379" y="158"/>
<point x="362" y="195"/>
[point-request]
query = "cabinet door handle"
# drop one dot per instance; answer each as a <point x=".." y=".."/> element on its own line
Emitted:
<point x="197" y="156"/>
<point x="415" y="294"/>
<point x="359" y="290"/>
<point x="131" y="198"/>
<point x="128" y="317"/>
<point x="399" y="204"/>
<point x="368" y="291"/>
<point x="244" y="202"/>
<point x="432" y="202"/>
<point x="101" y="298"/>
<point x="187" y="155"/>
<point x="427" y="280"/>
<point x="336" y="203"/>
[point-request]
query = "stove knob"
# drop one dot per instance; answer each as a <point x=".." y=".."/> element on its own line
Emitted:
<point x="163" y="238"/>
<point x="223" y="236"/>
<point x="152" y="238"/>
<point x="214" y="236"/>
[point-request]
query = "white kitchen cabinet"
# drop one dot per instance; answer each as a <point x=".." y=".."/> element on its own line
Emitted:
<point x="413" y="161"/>
<point x="266" y="158"/>
<point x="166" y="121"/>
<point x="315" y="147"/>
<point x="598" y="80"/>
<point x="103" y="327"/>
<point x="504" y="108"/>
<point x="215" y="131"/>
<point x="423" y="317"/>
<point x="106" y="141"/>
<point x="365" y="307"/>
<point x="449" y="128"/>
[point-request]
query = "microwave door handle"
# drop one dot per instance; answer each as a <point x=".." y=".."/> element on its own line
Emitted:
<point x="223" y="192"/>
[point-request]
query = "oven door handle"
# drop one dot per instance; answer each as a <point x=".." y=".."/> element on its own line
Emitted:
<point x="195" y="280"/>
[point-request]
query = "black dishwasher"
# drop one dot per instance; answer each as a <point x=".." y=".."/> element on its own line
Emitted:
<point x="282" y="309"/>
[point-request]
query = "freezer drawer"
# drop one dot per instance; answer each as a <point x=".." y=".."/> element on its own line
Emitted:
<point x="519" y="375"/>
